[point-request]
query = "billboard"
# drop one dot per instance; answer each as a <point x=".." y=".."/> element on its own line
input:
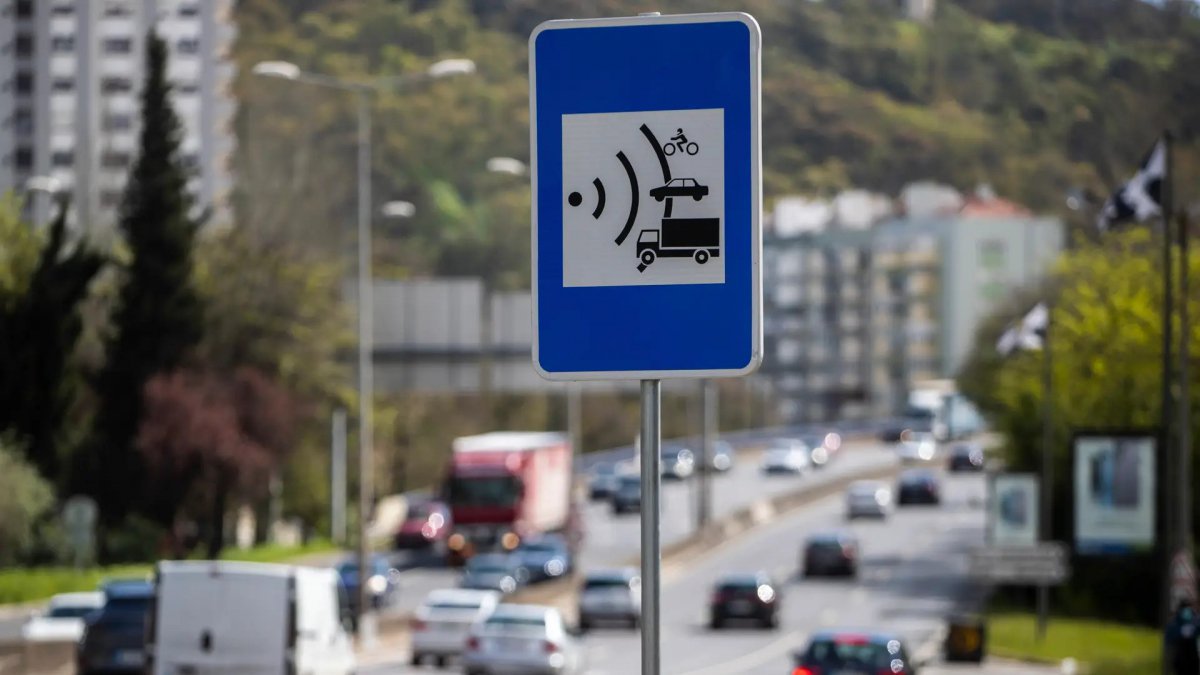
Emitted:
<point x="1116" y="492"/>
<point x="1013" y="510"/>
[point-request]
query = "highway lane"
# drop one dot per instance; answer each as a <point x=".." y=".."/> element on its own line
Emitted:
<point x="613" y="540"/>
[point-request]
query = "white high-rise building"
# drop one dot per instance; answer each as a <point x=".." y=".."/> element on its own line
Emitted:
<point x="71" y="72"/>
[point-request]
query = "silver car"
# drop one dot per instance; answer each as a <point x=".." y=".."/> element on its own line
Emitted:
<point x="523" y="640"/>
<point x="613" y="595"/>
<point x="869" y="498"/>
<point x="441" y="624"/>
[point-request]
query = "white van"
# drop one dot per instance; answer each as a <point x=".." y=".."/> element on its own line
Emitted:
<point x="247" y="618"/>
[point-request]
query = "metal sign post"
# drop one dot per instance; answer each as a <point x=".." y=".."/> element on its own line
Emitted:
<point x="651" y="522"/>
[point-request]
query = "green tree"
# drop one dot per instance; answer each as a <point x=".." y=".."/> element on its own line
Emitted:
<point x="158" y="317"/>
<point x="20" y="244"/>
<point x="24" y="499"/>
<point x="39" y="330"/>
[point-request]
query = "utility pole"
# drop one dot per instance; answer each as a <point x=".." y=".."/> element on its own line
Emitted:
<point x="337" y="478"/>
<point x="708" y="436"/>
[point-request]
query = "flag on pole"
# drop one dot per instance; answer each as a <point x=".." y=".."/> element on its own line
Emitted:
<point x="1141" y="197"/>
<point x="1028" y="334"/>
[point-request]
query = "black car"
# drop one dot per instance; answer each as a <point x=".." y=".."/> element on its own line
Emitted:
<point x="544" y="557"/>
<point x="382" y="584"/>
<point x="602" y="480"/>
<point x="493" y="572"/>
<point x="114" y="637"/>
<point x="918" y="486"/>
<point x="853" y="653"/>
<point x="745" y="597"/>
<point x="680" y="187"/>
<point x="965" y="458"/>
<point x="628" y="495"/>
<point x="834" y="552"/>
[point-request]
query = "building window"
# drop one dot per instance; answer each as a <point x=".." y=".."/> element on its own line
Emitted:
<point x="110" y="198"/>
<point x="24" y="45"/>
<point x="24" y="9"/>
<point x="62" y="43"/>
<point x="24" y="83"/>
<point x="117" y="9"/>
<point x="116" y="85"/>
<point x="119" y="122"/>
<point x="188" y="46"/>
<point x="115" y="160"/>
<point x="63" y="9"/>
<point x="24" y="159"/>
<point x="188" y="88"/>
<point x="62" y="84"/>
<point x="189" y="10"/>
<point x="190" y="162"/>
<point x="118" y="45"/>
<point x="62" y="158"/>
<point x="23" y="122"/>
<point x="991" y="254"/>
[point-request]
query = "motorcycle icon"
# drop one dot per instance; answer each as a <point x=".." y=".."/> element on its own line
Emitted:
<point x="680" y="142"/>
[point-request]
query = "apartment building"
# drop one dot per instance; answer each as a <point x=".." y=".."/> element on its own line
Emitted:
<point x="862" y="303"/>
<point x="70" y="78"/>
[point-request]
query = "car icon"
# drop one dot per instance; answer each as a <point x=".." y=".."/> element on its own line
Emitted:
<point x="680" y="187"/>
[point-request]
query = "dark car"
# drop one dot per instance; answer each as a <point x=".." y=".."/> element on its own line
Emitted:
<point x="426" y="526"/>
<point x="822" y="447"/>
<point x="544" y="557"/>
<point x="966" y="458"/>
<point x="745" y="597"/>
<point x="602" y="480"/>
<point x="628" y="495"/>
<point x="493" y="572"/>
<point x="680" y="187"/>
<point x="853" y="653"/>
<point x="677" y="463"/>
<point x="831" y="553"/>
<point x="382" y="585"/>
<point x="114" y="637"/>
<point x="918" y="486"/>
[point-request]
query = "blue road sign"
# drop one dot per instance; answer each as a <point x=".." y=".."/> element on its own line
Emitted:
<point x="646" y="161"/>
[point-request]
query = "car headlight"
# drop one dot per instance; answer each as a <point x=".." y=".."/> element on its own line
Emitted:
<point x="554" y="567"/>
<point x="510" y="540"/>
<point x="456" y="542"/>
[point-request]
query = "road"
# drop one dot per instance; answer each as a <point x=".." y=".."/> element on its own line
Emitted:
<point x="913" y="575"/>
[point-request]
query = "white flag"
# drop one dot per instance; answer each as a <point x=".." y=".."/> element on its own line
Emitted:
<point x="1028" y="334"/>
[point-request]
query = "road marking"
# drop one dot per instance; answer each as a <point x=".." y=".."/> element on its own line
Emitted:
<point x="754" y="658"/>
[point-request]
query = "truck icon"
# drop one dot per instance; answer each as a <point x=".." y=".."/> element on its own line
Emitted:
<point x="695" y="238"/>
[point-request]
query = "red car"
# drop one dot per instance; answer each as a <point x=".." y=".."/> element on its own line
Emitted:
<point x="427" y="526"/>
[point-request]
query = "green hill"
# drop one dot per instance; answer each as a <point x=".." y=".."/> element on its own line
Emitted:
<point x="1031" y="96"/>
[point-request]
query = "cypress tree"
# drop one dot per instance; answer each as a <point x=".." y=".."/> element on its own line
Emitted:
<point x="158" y="316"/>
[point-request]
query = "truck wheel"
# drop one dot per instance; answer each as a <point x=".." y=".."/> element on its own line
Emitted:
<point x="701" y="256"/>
<point x="648" y="257"/>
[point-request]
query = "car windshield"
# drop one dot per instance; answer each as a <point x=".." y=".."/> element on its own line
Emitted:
<point x="70" y="612"/>
<point x="448" y="605"/>
<point x="126" y="610"/>
<point x="597" y="583"/>
<point x="420" y="510"/>
<point x="483" y="491"/>
<point x="540" y="548"/>
<point x="630" y="483"/>
<point x="604" y="469"/>
<point x="517" y="624"/>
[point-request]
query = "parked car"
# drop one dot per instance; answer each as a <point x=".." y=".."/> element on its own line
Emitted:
<point x="678" y="463"/>
<point x="918" y="486"/>
<point x="544" y="557"/>
<point x="114" y="637"/>
<point x="523" y="639"/>
<point x="846" y="653"/>
<point x="745" y="597"/>
<point x="917" y="447"/>
<point x="213" y="616"/>
<point x="62" y="621"/>
<point x="868" y="498"/>
<point x="382" y="585"/>
<point x="965" y="457"/>
<point x="493" y="572"/>
<point x="426" y="526"/>
<point x="628" y="495"/>
<point x="602" y="480"/>
<point x="443" y="622"/>
<point x="786" y="455"/>
<point x="613" y="595"/>
<point x="833" y="552"/>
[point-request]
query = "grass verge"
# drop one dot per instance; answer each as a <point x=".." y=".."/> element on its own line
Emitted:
<point x="22" y="584"/>
<point x="1101" y="647"/>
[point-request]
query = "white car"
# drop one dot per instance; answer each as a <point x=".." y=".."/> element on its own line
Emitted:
<point x="63" y="619"/>
<point x="442" y="623"/>
<point x="917" y="447"/>
<point x="523" y="640"/>
<point x="869" y="498"/>
<point x="786" y="456"/>
<point x="611" y="596"/>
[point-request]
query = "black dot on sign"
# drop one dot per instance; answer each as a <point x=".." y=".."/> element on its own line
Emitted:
<point x="574" y="199"/>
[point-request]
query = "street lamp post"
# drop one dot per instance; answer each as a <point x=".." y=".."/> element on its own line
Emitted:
<point x="362" y="91"/>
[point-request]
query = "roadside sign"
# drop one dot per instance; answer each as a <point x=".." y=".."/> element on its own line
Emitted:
<point x="646" y="167"/>
<point x="1043" y="564"/>
<point x="1183" y="578"/>
<point x="79" y="519"/>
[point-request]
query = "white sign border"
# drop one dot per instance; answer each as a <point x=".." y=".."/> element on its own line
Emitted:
<point x="756" y="318"/>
